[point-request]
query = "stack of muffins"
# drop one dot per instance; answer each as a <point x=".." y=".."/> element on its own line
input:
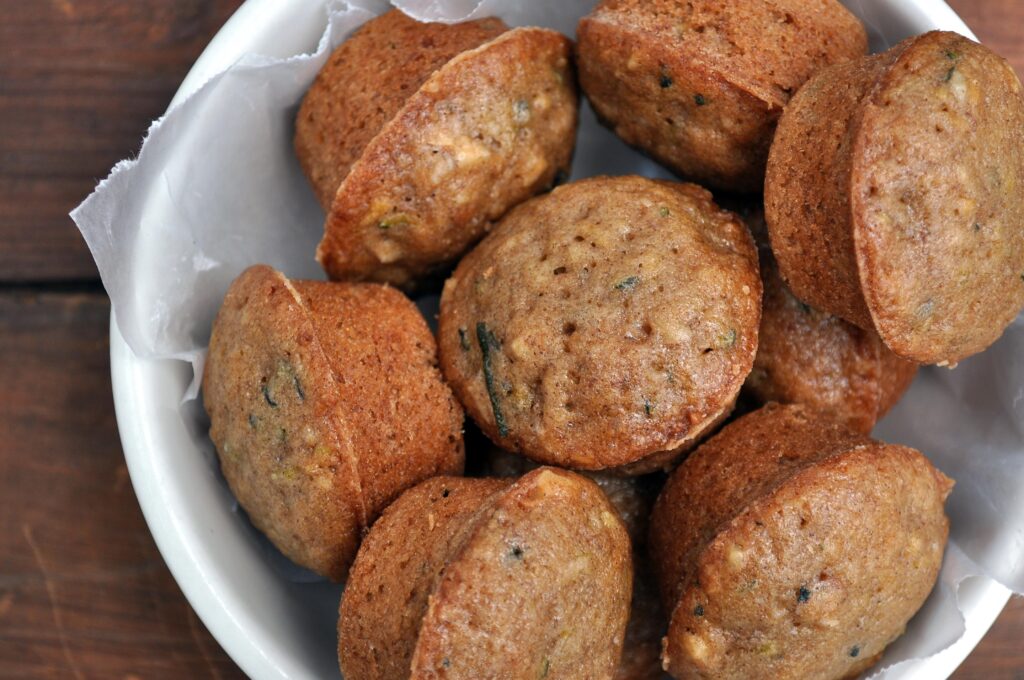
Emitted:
<point x="600" y="332"/>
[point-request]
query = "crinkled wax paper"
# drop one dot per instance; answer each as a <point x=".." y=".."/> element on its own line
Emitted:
<point x="216" y="188"/>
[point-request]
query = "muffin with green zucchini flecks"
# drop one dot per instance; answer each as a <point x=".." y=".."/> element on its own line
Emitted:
<point x="489" y="578"/>
<point x="416" y="136"/>
<point x="699" y="85"/>
<point x="608" y="324"/>
<point x="894" y="196"/>
<point x="788" y="547"/>
<point x="325" y="403"/>
<point x="632" y="498"/>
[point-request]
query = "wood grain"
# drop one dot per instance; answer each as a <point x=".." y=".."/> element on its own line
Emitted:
<point x="83" y="591"/>
<point x="80" y="81"/>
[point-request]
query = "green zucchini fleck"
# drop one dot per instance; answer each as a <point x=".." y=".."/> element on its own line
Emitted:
<point x="464" y="340"/>
<point x="698" y="610"/>
<point x="949" y="74"/>
<point x="545" y="667"/>
<point x="952" y="55"/>
<point x="665" y="80"/>
<point x="516" y="552"/>
<point x="803" y="594"/>
<point x="253" y="421"/>
<point x="298" y="388"/>
<point x="266" y="396"/>
<point x="393" y="221"/>
<point x="648" y="407"/>
<point x="488" y="345"/>
<point x="521" y="111"/>
<point x="855" y="651"/>
<point x="627" y="284"/>
<point x="977" y="227"/>
<point x="729" y="339"/>
<point x="700" y="100"/>
<point x="665" y="212"/>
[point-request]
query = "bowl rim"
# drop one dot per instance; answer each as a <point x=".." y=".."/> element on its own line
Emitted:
<point x="981" y="598"/>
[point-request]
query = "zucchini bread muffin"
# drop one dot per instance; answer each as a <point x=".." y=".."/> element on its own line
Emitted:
<point x="489" y="578"/>
<point x="700" y="85"/>
<point x="810" y="357"/>
<point x="325" y="403"/>
<point x="415" y="136"/>
<point x="789" y="546"/>
<point x="608" y="323"/>
<point x="894" y="197"/>
<point x="633" y="498"/>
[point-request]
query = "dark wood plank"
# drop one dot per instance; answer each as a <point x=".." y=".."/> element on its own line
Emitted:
<point x="80" y="81"/>
<point x="1000" y="655"/>
<point x="83" y="591"/>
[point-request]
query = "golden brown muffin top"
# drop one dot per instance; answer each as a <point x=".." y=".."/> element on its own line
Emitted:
<point x="747" y="460"/>
<point x="398" y="568"/>
<point x="937" y="191"/>
<point x="325" y="402"/>
<point x="766" y="47"/>
<point x="609" y="320"/>
<point x="367" y="80"/>
<point x="489" y="129"/>
<point x="791" y="547"/>
<point x="541" y="588"/>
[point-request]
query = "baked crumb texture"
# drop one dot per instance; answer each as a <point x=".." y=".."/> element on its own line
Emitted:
<point x="325" y="403"/>
<point x="609" y="323"/>
<point x="486" y="578"/>
<point x="789" y="546"/>
<point x="894" y="200"/>
<point x="417" y="136"/>
<point x="699" y="85"/>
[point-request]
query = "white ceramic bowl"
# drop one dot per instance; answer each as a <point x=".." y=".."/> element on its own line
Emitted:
<point x="270" y="622"/>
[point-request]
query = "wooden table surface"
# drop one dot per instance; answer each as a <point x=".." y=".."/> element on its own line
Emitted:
<point x="83" y="590"/>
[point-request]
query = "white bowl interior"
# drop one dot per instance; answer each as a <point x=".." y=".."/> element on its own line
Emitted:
<point x="275" y="620"/>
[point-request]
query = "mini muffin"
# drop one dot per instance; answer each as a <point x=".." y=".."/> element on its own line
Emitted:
<point x="700" y="85"/>
<point x="632" y="498"/>
<point x="894" y="198"/>
<point x="809" y="357"/>
<point x="485" y="578"/>
<point x="415" y="136"/>
<point x="789" y="546"/>
<point x="325" y="403"/>
<point x="608" y="323"/>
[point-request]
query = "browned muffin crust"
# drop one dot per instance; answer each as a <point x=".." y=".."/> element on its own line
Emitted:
<point x="789" y="546"/>
<point x="610" y="321"/>
<point x="398" y="568"/>
<point x="412" y="177"/>
<point x="893" y="196"/>
<point x="325" y="402"/>
<point x="633" y="498"/>
<point x="700" y="85"/>
<point x="805" y="356"/>
<point x="809" y="357"/>
<point x="533" y="582"/>
<point x="366" y="82"/>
